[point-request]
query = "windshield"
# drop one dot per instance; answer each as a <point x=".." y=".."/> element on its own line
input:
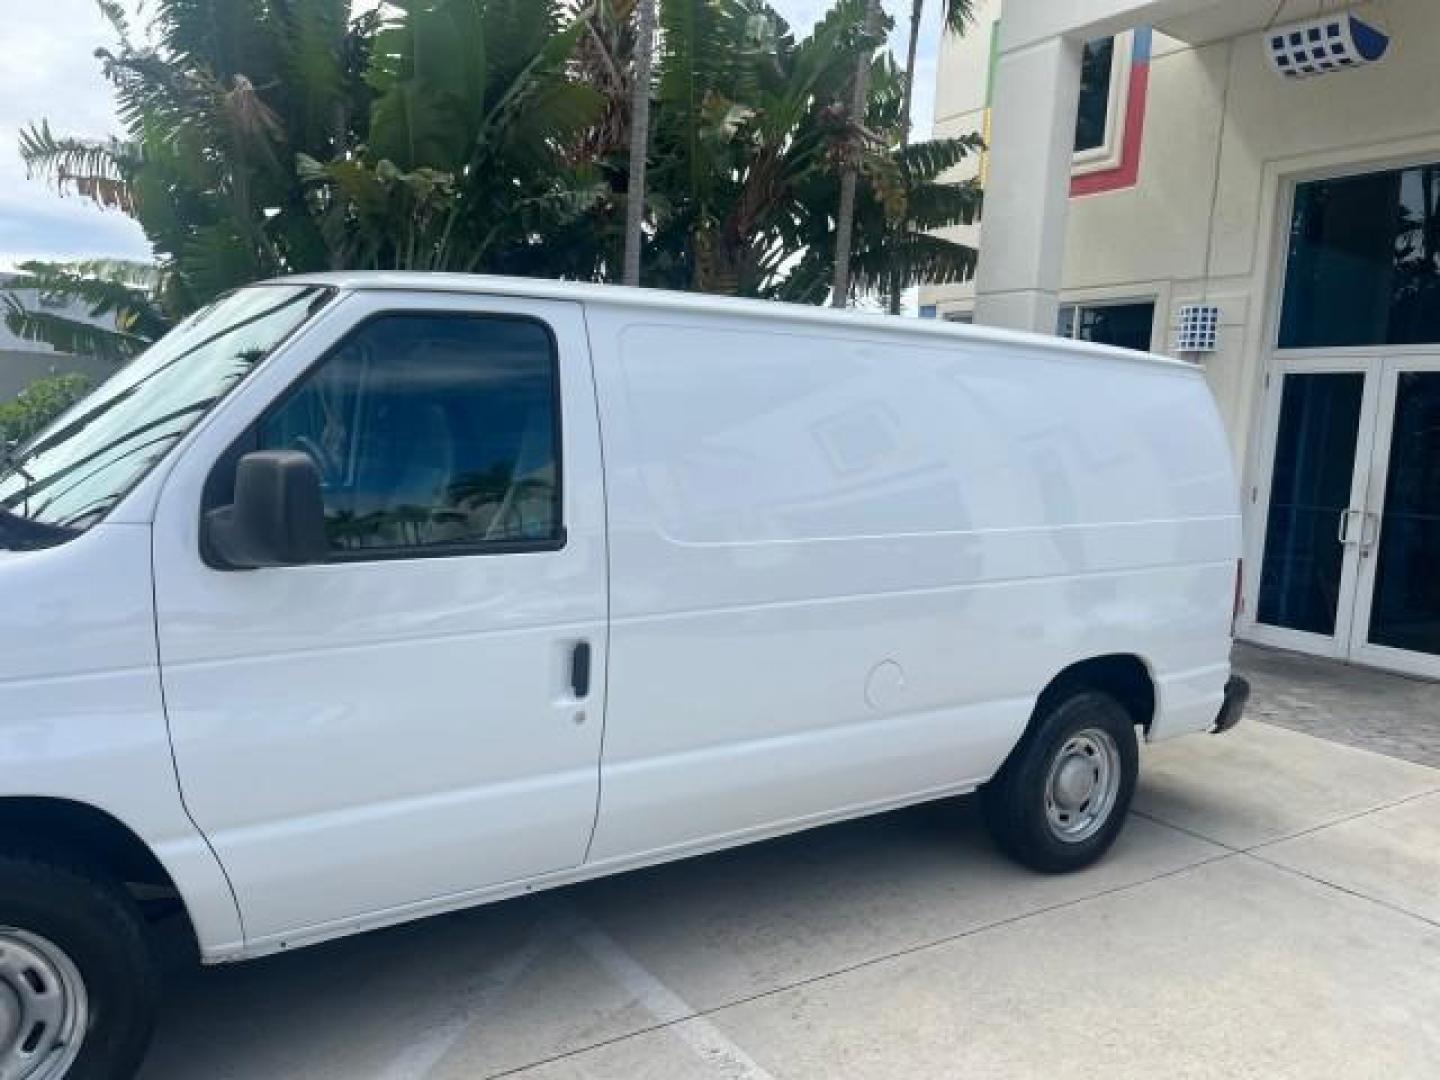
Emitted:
<point x="71" y="474"/>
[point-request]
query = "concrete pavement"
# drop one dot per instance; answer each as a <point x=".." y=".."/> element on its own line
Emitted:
<point x="1374" y="710"/>
<point x="1270" y="911"/>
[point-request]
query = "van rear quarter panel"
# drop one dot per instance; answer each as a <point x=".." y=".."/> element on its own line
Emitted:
<point x="844" y="563"/>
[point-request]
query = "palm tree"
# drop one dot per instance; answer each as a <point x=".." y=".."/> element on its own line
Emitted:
<point x="217" y="99"/>
<point x="845" y="216"/>
<point x="469" y="161"/>
<point x="959" y="14"/>
<point x="122" y="301"/>
<point x="639" y="143"/>
<point x="263" y="138"/>
<point x="746" y="148"/>
<point x="743" y="126"/>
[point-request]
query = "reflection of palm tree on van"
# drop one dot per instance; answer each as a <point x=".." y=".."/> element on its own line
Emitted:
<point x="475" y="489"/>
<point x="398" y="526"/>
<point x="522" y="507"/>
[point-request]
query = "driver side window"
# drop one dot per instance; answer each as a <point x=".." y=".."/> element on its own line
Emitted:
<point x="434" y="434"/>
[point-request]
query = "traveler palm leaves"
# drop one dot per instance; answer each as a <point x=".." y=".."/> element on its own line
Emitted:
<point x="467" y="164"/>
<point x="217" y="98"/>
<point x="751" y="136"/>
<point x="747" y="128"/>
<point x="273" y="136"/>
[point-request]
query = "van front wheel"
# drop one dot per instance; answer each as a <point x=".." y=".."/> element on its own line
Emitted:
<point x="1062" y="796"/>
<point x="78" y="984"/>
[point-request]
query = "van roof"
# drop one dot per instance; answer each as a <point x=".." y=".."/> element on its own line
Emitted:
<point x="702" y="303"/>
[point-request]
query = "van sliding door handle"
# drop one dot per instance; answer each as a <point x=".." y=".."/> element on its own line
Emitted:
<point x="580" y="670"/>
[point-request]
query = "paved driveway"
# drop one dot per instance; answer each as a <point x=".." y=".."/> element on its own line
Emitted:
<point x="1272" y="910"/>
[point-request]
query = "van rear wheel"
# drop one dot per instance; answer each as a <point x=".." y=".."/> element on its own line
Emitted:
<point x="78" y="984"/>
<point x="1061" y="798"/>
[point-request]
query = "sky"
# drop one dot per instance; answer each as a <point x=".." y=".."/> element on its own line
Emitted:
<point x="50" y="73"/>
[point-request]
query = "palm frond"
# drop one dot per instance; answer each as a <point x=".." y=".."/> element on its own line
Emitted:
<point x="942" y="206"/>
<point x="111" y="290"/>
<point x="923" y="162"/>
<point x="959" y="15"/>
<point x="113" y="12"/>
<point x="98" y="169"/>
<point x="69" y="335"/>
<point x="923" y="258"/>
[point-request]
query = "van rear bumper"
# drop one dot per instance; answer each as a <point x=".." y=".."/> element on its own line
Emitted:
<point x="1237" y="693"/>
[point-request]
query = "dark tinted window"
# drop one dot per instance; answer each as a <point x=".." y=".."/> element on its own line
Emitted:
<point x="1127" y="326"/>
<point x="432" y="432"/>
<point x="1406" y="610"/>
<point x="1309" y="490"/>
<point x="1095" y="75"/>
<point x="1364" y="264"/>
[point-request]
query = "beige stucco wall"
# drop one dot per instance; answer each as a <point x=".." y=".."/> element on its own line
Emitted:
<point x="1225" y="138"/>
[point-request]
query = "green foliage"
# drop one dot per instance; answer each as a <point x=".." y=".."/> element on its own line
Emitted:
<point x="118" y="296"/>
<point x="38" y="404"/>
<point x="217" y="100"/>
<point x="751" y="135"/>
<point x="468" y="165"/>
<point x="959" y="15"/>
<point x="266" y="137"/>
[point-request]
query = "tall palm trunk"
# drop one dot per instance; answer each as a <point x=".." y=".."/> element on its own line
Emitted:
<point x="639" y="142"/>
<point x="850" y="182"/>
<point x="897" y="274"/>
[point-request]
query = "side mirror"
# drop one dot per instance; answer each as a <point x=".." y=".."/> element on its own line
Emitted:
<point x="277" y="518"/>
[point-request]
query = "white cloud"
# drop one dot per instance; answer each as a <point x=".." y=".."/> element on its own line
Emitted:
<point x="49" y="72"/>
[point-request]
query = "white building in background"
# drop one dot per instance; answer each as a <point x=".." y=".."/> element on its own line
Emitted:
<point x="22" y="362"/>
<point x="1158" y="160"/>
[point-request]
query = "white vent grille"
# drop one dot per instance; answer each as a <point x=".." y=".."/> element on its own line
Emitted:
<point x="1199" y="329"/>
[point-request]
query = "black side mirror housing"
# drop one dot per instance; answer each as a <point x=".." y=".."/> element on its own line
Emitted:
<point x="277" y="518"/>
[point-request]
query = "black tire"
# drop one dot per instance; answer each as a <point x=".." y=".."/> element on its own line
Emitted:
<point x="1014" y="802"/>
<point x="97" y="926"/>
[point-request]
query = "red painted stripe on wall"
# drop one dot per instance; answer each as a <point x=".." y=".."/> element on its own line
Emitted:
<point x="1127" y="173"/>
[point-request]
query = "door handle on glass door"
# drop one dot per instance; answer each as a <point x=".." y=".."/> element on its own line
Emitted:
<point x="580" y="670"/>
<point x="1369" y="532"/>
<point x="1343" y="535"/>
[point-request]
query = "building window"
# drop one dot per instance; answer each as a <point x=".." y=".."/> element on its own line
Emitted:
<point x="1125" y="324"/>
<point x="966" y="317"/>
<point x="1097" y="74"/>
<point x="1364" y="266"/>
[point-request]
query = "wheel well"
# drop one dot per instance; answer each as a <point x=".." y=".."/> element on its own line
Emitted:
<point x="1123" y="676"/>
<point x="65" y="828"/>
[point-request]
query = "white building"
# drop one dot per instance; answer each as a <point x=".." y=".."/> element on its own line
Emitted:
<point x="1148" y="156"/>
<point x="22" y="362"/>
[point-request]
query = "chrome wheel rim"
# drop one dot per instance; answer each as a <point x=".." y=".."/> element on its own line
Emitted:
<point x="43" y="1008"/>
<point x="1082" y="786"/>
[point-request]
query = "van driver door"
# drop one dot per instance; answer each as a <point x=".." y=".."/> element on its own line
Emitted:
<point x="419" y="716"/>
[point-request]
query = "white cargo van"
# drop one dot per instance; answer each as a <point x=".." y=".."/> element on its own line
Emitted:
<point x="360" y="598"/>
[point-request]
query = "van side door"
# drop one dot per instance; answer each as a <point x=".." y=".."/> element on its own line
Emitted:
<point x="415" y="718"/>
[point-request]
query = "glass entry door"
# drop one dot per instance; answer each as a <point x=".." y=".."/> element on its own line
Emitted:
<point x="1397" y="606"/>
<point x="1349" y="560"/>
